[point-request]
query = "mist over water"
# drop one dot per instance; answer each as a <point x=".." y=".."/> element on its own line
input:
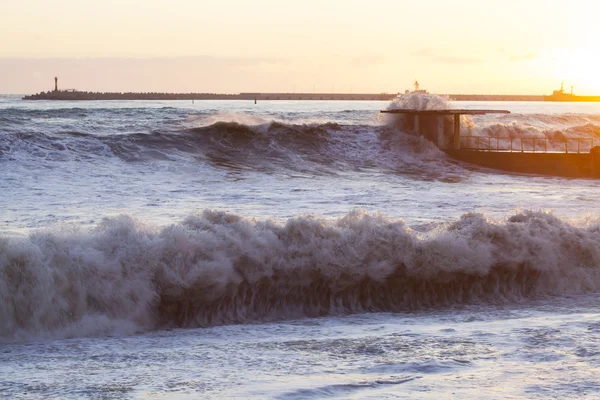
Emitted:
<point x="310" y="239"/>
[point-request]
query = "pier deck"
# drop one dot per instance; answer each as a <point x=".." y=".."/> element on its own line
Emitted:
<point x="437" y="125"/>
<point x="445" y="112"/>
<point x="579" y="159"/>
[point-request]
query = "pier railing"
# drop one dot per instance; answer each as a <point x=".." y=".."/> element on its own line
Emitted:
<point x="526" y="144"/>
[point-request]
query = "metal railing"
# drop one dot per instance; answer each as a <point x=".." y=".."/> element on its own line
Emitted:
<point x="527" y="145"/>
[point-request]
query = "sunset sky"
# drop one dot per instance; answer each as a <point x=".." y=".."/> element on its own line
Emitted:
<point x="228" y="46"/>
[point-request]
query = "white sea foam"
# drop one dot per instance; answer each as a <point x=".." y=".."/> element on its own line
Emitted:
<point x="419" y="101"/>
<point x="217" y="268"/>
<point x="479" y="295"/>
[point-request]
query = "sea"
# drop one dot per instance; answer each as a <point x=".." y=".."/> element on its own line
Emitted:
<point x="290" y="250"/>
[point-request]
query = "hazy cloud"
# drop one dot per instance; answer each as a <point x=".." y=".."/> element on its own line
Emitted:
<point x="518" y="57"/>
<point x="367" y="60"/>
<point x="523" y="57"/>
<point x="445" y="59"/>
<point x="233" y="61"/>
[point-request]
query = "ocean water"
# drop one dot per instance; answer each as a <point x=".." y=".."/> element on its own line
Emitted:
<point x="290" y="250"/>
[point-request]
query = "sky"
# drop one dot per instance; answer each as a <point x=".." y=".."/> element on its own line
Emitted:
<point x="345" y="46"/>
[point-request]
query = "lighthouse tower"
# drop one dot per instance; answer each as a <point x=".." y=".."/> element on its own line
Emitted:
<point x="56" y="84"/>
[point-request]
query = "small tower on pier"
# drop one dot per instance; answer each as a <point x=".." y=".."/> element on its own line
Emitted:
<point x="56" y="84"/>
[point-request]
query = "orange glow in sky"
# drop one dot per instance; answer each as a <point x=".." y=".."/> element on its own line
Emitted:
<point x="577" y="67"/>
<point x="460" y="46"/>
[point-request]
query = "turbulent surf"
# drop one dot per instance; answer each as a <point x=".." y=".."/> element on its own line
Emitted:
<point x="289" y="250"/>
<point x="218" y="268"/>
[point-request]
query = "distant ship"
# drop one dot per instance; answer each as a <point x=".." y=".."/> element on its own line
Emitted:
<point x="561" y="95"/>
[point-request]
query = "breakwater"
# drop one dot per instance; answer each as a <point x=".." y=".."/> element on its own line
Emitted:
<point x="84" y="95"/>
<point x="495" y="97"/>
<point x="81" y="95"/>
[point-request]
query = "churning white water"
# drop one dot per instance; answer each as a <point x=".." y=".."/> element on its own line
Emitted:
<point x="287" y="249"/>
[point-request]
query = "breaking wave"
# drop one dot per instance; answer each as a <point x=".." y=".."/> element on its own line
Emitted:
<point x="554" y="128"/>
<point x="270" y="146"/>
<point x="582" y="136"/>
<point x="242" y="141"/>
<point x="219" y="268"/>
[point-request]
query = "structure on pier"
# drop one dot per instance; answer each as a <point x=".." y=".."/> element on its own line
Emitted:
<point x="442" y="127"/>
<point x="568" y="157"/>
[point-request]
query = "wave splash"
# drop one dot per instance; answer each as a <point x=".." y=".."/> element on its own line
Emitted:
<point x="419" y="101"/>
<point x="219" y="268"/>
<point x="552" y="132"/>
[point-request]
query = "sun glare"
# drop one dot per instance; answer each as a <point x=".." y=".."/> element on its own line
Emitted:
<point x="579" y="68"/>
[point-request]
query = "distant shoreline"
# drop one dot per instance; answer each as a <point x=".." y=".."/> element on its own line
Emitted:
<point x="80" y="95"/>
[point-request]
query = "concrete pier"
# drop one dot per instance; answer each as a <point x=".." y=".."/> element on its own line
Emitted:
<point x="571" y="165"/>
<point x="442" y="127"/>
<point x="441" y="142"/>
<point x="456" y="137"/>
<point x="416" y="124"/>
<point x="56" y="94"/>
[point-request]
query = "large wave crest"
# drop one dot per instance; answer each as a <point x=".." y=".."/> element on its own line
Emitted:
<point x="220" y="268"/>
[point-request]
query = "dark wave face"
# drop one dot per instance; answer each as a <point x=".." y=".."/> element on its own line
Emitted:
<point x="326" y="148"/>
<point x="48" y="137"/>
<point x="219" y="268"/>
<point x="230" y="143"/>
